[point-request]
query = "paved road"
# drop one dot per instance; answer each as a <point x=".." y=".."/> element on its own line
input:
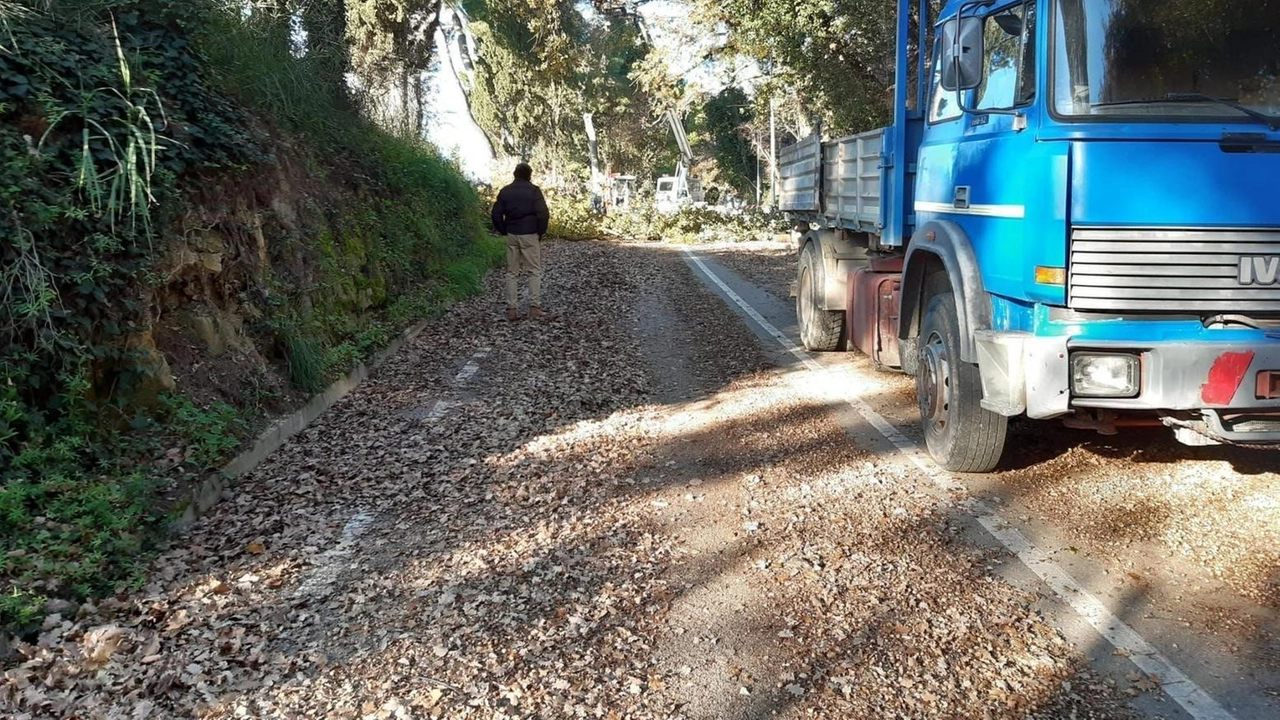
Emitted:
<point x="654" y="506"/>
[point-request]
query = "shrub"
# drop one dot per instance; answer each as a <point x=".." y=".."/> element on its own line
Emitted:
<point x="573" y="219"/>
<point x="690" y="224"/>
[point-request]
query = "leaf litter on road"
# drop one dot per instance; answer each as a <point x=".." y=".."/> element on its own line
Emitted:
<point x="536" y="550"/>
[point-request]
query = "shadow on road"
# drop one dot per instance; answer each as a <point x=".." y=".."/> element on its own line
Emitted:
<point x="543" y="549"/>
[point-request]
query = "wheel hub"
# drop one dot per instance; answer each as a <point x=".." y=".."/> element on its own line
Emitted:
<point x="935" y="381"/>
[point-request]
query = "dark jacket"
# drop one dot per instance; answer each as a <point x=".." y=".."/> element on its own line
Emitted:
<point x="520" y="210"/>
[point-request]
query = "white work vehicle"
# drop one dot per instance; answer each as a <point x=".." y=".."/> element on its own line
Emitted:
<point x="676" y="191"/>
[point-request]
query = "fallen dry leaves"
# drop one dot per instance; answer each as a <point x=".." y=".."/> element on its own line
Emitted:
<point x="512" y="556"/>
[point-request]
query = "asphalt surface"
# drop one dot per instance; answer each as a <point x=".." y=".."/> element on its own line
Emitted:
<point x="653" y="505"/>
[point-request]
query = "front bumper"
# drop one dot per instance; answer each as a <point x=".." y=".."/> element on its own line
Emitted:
<point x="1022" y="372"/>
<point x="1206" y="392"/>
<point x="1192" y="376"/>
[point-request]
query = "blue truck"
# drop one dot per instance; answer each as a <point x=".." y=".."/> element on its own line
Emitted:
<point x="1074" y="216"/>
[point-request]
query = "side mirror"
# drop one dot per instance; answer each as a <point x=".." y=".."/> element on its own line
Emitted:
<point x="962" y="54"/>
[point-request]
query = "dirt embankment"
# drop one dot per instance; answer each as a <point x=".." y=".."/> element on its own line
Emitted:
<point x="209" y="309"/>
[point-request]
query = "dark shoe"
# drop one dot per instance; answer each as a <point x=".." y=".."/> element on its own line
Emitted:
<point x="513" y="314"/>
<point x="537" y="313"/>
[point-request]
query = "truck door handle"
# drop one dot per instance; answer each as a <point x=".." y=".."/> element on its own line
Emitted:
<point x="961" y="201"/>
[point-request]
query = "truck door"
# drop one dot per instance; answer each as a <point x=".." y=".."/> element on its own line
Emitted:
<point x="974" y="166"/>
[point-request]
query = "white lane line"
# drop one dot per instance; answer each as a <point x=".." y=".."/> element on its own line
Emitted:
<point x="472" y="367"/>
<point x="320" y="581"/>
<point x="1193" y="698"/>
<point x="438" y="411"/>
<point x="323" y="576"/>
<point x="468" y="371"/>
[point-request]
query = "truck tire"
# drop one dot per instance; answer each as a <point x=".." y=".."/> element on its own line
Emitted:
<point x="962" y="436"/>
<point x="820" y="330"/>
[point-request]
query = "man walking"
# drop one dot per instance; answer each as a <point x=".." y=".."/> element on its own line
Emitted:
<point x="520" y="213"/>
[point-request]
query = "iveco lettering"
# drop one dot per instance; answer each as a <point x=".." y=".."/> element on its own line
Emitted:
<point x="1260" y="270"/>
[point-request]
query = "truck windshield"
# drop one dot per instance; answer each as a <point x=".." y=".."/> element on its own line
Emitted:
<point x="1167" y="59"/>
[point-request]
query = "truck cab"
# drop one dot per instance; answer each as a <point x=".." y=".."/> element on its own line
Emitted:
<point x="1075" y="220"/>
<point x="673" y="192"/>
<point x="666" y="196"/>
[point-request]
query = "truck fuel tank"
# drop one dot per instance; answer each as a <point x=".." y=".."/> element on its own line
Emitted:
<point x="871" y="318"/>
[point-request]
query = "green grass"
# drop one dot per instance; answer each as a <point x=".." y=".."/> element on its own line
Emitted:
<point x="305" y="356"/>
<point x="249" y="60"/>
<point x="65" y="535"/>
<point x="78" y="512"/>
<point x="465" y="274"/>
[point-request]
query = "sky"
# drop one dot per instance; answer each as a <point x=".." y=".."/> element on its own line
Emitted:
<point x="452" y="129"/>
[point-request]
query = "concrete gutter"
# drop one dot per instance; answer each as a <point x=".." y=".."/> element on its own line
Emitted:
<point x="207" y="492"/>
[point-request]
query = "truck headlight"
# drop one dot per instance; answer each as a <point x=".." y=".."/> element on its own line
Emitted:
<point x="1109" y="375"/>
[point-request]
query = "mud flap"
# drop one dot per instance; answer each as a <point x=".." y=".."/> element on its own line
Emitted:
<point x="1048" y="377"/>
<point x="1000" y="363"/>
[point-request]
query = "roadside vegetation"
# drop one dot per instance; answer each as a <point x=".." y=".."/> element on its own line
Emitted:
<point x="572" y="218"/>
<point x="177" y="175"/>
<point x="695" y="224"/>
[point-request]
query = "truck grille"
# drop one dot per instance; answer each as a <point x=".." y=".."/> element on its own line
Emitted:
<point x="1200" y="271"/>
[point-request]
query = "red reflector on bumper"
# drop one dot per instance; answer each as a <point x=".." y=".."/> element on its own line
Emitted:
<point x="1225" y="377"/>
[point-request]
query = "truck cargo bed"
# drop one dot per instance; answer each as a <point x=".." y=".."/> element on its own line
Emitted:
<point x="835" y="184"/>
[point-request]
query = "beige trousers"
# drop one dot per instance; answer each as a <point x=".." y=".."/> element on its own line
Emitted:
<point x="524" y="253"/>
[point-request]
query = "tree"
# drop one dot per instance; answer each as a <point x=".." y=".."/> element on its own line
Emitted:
<point x="728" y="118"/>
<point x="391" y="45"/>
<point x="836" y="56"/>
<point x="325" y="24"/>
<point x="632" y="138"/>
<point x="541" y="65"/>
<point x="530" y="78"/>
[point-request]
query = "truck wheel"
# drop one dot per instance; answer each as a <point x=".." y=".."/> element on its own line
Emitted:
<point x="962" y="436"/>
<point x="820" y="330"/>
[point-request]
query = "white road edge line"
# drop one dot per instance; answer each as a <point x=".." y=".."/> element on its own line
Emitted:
<point x="1193" y="698"/>
<point x="324" y="575"/>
